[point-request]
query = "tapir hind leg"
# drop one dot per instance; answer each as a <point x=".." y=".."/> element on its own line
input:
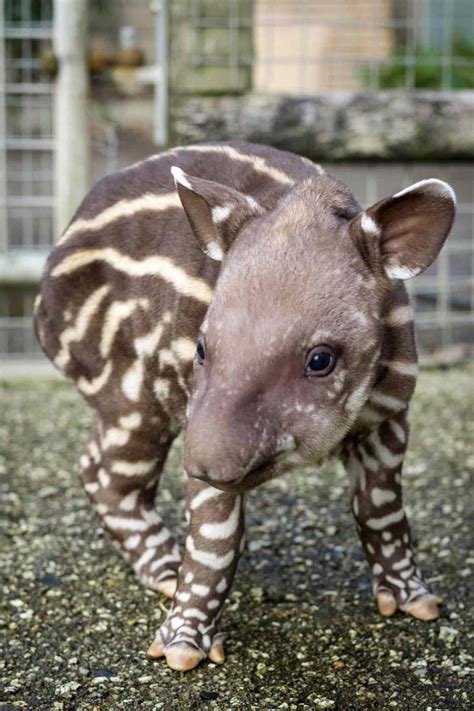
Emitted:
<point x="213" y="545"/>
<point x="375" y="465"/>
<point x="120" y="470"/>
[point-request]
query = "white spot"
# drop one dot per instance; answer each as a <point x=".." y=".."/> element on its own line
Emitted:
<point x="212" y="604"/>
<point x="221" y="585"/>
<point x="403" y="563"/>
<point x="91" y="487"/>
<point x="104" y="478"/>
<point x="176" y="622"/>
<point x="188" y="578"/>
<point x="180" y="177"/>
<point x="200" y="590"/>
<point x="183" y="596"/>
<point x="215" y="251"/>
<point x="132" y="542"/>
<point x="219" y="214"/>
<point x="377" y="569"/>
<point x="129" y="502"/>
<point x="369" y="225"/>
<point x="387" y="535"/>
<point x="133" y="379"/>
<point x="388" y="550"/>
<point x="399" y="316"/>
<point x="161" y="388"/>
<point x="253" y="203"/>
<point x="378" y="524"/>
<point x="131" y="421"/>
<point x="382" y="496"/>
<point x="355" y="506"/>
<point x="84" y="461"/>
<point x="395" y="270"/>
<point x="370" y="548"/>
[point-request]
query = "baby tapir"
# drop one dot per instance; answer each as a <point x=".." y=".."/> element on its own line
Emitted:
<point x="253" y="303"/>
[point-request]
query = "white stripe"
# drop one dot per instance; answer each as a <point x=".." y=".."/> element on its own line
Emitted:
<point x="207" y="493"/>
<point x="194" y="612"/>
<point x="398" y="431"/>
<point x="382" y="496"/>
<point x="117" y="312"/>
<point x="158" y="266"/>
<point x="125" y="524"/>
<point x="259" y="164"/>
<point x="387" y="401"/>
<point x="378" y="524"/>
<point x="131" y="421"/>
<point x="121" y="209"/>
<point x="78" y="330"/>
<point x="114" y="437"/>
<point x="399" y="316"/>
<point x="224" y="529"/>
<point x="144" y="558"/>
<point x="92" y="387"/>
<point x="121" y="466"/>
<point x="169" y="558"/>
<point x="157" y="539"/>
<point x="132" y="542"/>
<point x="207" y="558"/>
<point x="386" y="457"/>
<point x="401" y="367"/>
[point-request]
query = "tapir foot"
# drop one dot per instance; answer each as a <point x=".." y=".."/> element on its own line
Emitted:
<point x="184" y="657"/>
<point x="424" y="608"/>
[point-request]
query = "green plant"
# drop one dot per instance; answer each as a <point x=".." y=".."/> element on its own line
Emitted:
<point x="428" y="69"/>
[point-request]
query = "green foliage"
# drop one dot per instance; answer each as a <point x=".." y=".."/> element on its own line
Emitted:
<point x="428" y="68"/>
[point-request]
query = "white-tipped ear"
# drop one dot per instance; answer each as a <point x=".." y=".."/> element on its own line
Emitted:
<point x="433" y="185"/>
<point x="180" y="177"/>
<point x="410" y="227"/>
<point x="214" y="211"/>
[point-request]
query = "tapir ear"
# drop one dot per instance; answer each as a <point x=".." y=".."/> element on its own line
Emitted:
<point x="215" y="212"/>
<point x="410" y="227"/>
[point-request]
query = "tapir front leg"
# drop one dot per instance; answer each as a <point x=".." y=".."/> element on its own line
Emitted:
<point x="375" y="464"/>
<point x="213" y="545"/>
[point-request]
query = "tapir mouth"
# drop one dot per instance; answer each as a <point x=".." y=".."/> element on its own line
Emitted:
<point x="251" y="479"/>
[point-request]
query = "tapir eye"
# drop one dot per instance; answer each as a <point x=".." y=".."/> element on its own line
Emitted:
<point x="320" y="362"/>
<point x="200" y="352"/>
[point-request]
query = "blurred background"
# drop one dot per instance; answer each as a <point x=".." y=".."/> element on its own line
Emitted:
<point x="379" y="91"/>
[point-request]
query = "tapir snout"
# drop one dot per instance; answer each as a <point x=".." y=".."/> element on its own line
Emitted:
<point x="227" y="442"/>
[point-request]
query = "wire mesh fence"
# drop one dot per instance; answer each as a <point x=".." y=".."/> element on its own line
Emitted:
<point x="264" y="46"/>
<point x="306" y="46"/>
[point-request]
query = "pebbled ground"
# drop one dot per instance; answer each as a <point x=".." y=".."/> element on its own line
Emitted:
<point x="302" y="629"/>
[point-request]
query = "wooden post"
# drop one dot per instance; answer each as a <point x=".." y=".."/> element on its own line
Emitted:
<point x="71" y="125"/>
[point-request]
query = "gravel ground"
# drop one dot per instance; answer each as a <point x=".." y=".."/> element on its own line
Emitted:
<point x="302" y="630"/>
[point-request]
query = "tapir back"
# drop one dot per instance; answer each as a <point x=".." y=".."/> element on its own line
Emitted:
<point x="127" y="286"/>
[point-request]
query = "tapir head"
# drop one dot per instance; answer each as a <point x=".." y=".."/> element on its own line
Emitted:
<point x="290" y="345"/>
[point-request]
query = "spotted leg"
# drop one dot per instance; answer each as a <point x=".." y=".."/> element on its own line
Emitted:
<point x="213" y="545"/>
<point x="120" y="470"/>
<point x="375" y="464"/>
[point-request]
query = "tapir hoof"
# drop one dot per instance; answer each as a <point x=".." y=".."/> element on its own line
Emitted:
<point x="424" y="609"/>
<point x="168" y="587"/>
<point x="183" y="657"/>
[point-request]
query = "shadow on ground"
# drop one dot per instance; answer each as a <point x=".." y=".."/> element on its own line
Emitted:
<point x="302" y="630"/>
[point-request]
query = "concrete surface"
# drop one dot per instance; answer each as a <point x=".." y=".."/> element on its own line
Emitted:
<point x="302" y="630"/>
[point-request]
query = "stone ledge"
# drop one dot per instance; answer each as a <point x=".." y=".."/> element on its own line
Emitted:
<point x="336" y="126"/>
